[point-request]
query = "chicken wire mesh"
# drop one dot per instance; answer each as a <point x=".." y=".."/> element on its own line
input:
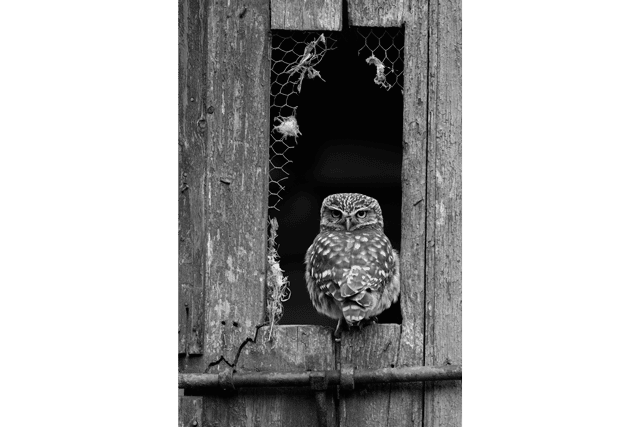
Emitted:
<point x="295" y="57"/>
<point x="384" y="49"/>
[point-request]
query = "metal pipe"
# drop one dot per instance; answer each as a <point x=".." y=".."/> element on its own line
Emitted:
<point x="302" y="379"/>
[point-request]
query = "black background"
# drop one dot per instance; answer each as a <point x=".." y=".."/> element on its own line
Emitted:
<point x="351" y="141"/>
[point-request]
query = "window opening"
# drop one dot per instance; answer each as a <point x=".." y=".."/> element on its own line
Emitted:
<point x="336" y="126"/>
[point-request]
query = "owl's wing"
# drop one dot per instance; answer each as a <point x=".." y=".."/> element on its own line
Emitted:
<point x="352" y="273"/>
<point x="353" y="284"/>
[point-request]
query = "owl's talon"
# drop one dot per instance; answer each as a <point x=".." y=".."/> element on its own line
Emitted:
<point x="367" y="322"/>
<point x="337" y="334"/>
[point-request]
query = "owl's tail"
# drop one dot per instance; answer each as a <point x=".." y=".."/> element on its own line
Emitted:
<point x="356" y="307"/>
<point x="353" y="312"/>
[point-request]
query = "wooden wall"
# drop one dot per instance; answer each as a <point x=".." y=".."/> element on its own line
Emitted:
<point x="224" y="136"/>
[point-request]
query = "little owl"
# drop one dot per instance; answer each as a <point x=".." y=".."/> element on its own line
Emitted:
<point x="352" y="272"/>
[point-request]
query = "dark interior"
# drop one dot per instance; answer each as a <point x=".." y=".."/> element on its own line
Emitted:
<point x="351" y="141"/>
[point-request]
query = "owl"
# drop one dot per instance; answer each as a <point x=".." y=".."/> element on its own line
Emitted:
<point x="352" y="272"/>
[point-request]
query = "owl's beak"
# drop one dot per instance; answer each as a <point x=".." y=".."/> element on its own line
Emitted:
<point x="347" y="223"/>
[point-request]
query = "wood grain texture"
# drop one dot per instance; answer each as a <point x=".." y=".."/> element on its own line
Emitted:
<point x="376" y="13"/>
<point x="191" y="174"/>
<point x="189" y="411"/>
<point x="292" y="349"/>
<point x="237" y="173"/>
<point x="377" y="346"/>
<point x="183" y="323"/>
<point x="307" y="15"/>
<point x="443" y="401"/>
<point x="192" y="25"/>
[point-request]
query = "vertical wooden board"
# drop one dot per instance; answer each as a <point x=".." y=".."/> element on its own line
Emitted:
<point x="306" y="15"/>
<point x="184" y="300"/>
<point x="236" y="193"/>
<point x="374" y="346"/>
<point x="196" y="321"/>
<point x="191" y="319"/>
<point x="443" y="401"/>
<point x="375" y="13"/>
<point x="291" y="349"/>
<point x="189" y="411"/>
<point x="191" y="174"/>
<point x="414" y="195"/>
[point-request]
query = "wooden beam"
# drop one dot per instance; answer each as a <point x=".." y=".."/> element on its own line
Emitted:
<point x="376" y="13"/>
<point x="191" y="174"/>
<point x="443" y="305"/>
<point x="192" y="25"/>
<point x="237" y="156"/>
<point x="306" y="15"/>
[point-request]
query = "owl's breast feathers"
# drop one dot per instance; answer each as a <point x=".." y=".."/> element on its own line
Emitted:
<point x="353" y="269"/>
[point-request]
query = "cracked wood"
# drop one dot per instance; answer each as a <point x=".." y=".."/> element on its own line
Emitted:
<point x="237" y="82"/>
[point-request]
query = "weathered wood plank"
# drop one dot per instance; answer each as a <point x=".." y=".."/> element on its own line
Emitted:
<point x="307" y="15"/>
<point x="189" y="411"/>
<point x="406" y="401"/>
<point x="184" y="301"/>
<point x="238" y="72"/>
<point x="191" y="174"/>
<point x="292" y="349"/>
<point x="376" y="13"/>
<point x="238" y="76"/>
<point x="375" y="346"/>
<point x="414" y="197"/>
<point x="443" y="401"/>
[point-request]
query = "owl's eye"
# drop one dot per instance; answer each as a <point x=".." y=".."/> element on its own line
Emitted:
<point x="361" y="214"/>
<point x="335" y="213"/>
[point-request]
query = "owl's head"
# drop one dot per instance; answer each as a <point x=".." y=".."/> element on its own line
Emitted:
<point x="350" y="212"/>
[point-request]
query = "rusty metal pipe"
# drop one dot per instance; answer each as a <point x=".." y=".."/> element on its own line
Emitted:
<point x="212" y="382"/>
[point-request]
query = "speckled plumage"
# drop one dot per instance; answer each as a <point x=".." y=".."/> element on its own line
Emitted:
<point x="352" y="272"/>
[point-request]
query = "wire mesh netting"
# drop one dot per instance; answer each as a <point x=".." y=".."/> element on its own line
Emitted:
<point x="384" y="50"/>
<point x="295" y="56"/>
<point x="371" y="56"/>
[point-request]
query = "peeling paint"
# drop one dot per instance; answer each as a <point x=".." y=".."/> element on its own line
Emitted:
<point x="441" y="213"/>
<point x="222" y="309"/>
<point x="229" y="274"/>
<point x="210" y="245"/>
